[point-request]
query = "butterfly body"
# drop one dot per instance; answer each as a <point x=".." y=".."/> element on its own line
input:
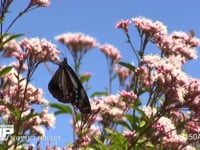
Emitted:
<point x="67" y="88"/>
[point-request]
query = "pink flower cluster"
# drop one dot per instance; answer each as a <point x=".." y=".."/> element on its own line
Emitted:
<point x="111" y="52"/>
<point x="11" y="48"/>
<point x="193" y="127"/>
<point x="146" y="26"/>
<point x="166" y="132"/>
<point x="104" y="111"/>
<point x="77" y="41"/>
<point x="123" y="73"/>
<point x="39" y="50"/>
<point x="179" y="43"/>
<point x="123" y="24"/>
<point x="129" y="135"/>
<point x="165" y="73"/>
<point x="110" y="107"/>
<point x="15" y="95"/>
<point x="43" y="3"/>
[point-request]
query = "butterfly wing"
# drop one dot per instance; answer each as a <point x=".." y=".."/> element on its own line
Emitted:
<point x="59" y="86"/>
<point x="80" y="100"/>
<point x="67" y="88"/>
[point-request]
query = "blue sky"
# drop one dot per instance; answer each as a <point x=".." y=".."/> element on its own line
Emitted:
<point x="97" y="19"/>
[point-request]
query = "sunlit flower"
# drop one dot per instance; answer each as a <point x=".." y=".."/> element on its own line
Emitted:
<point x="150" y="28"/>
<point x="11" y="48"/>
<point x="122" y="72"/>
<point x="43" y="3"/>
<point x="111" y="52"/>
<point x="38" y="130"/>
<point x="129" y="95"/>
<point x="39" y="50"/>
<point x="149" y="111"/>
<point x="77" y="41"/>
<point x="123" y="24"/>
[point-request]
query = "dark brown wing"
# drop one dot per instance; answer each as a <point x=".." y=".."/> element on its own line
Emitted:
<point x="67" y="88"/>
<point x="80" y="100"/>
<point x="60" y="86"/>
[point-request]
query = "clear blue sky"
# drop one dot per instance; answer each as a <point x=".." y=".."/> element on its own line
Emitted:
<point x="97" y="19"/>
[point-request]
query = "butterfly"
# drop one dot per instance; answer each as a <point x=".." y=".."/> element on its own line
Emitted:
<point x="67" y="88"/>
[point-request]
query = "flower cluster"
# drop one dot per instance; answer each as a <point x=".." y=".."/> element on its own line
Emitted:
<point x="109" y="108"/>
<point x="179" y="43"/>
<point x="11" y="48"/>
<point x="43" y="3"/>
<point x="123" y="24"/>
<point x="151" y="29"/>
<point x="39" y="50"/>
<point x="111" y="52"/>
<point x="23" y="96"/>
<point x="166" y="132"/>
<point x="123" y="73"/>
<point x="77" y="41"/>
<point x="105" y="111"/>
<point x="129" y="135"/>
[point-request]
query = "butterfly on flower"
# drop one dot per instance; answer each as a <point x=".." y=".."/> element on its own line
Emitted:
<point x="67" y="88"/>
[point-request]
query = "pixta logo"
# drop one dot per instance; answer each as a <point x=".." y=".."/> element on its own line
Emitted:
<point x="5" y="131"/>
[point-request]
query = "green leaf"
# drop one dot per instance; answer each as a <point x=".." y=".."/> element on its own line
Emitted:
<point x="5" y="70"/>
<point x="84" y="78"/>
<point x="99" y="145"/>
<point x="99" y="94"/>
<point x="7" y="37"/>
<point x="124" y="124"/>
<point x="117" y="140"/>
<point x="61" y="108"/>
<point x="133" y="120"/>
<point x="127" y="65"/>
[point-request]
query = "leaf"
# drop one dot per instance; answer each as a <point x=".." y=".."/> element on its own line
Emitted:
<point x="124" y="124"/>
<point x="84" y="78"/>
<point x="117" y="140"/>
<point x="5" y="70"/>
<point x="61" y="108"/>
<point x="6" y="38"/>
<point x="133" y="120"/>
<point x="99" y="145"/>
<point x="127" y="65"/>
<point x="99" y="94"/>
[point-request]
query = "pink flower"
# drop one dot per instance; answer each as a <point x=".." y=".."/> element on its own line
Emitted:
<point x="149" y="111"/>
<point x="129" y="95"/>
<point x="164" y="127"/>
<point x="129" y="135"/>
<point x="84" y="141"/>
<point x="111" y="52"/>
<point x="123" y="73"/>
<point x="47" y="118"/>
<point x="38" y="130"/>
<point x="193" y="127"/>
<point x="123" y="24"/>
<point x="19" y="68"/>
<point x="179" y="43"/>
<point x="43" y="3"/>
<point x="39" y="50"/>
<point x="77" y="41"/>
<point x="109" y="108"/>
<point x="11" y="48"/>
<point x="150" y="28"/>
